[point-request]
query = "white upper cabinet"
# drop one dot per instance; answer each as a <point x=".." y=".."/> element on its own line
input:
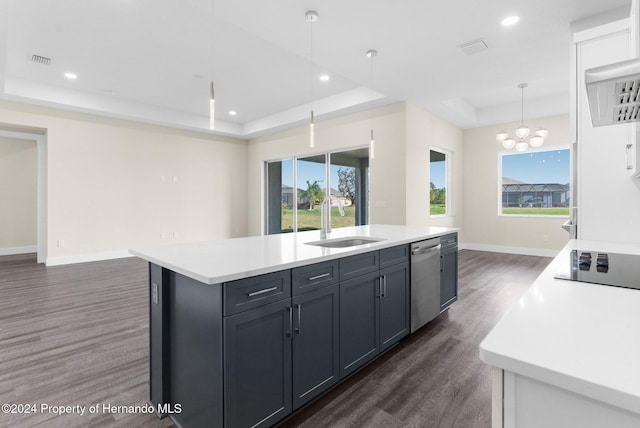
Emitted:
<point x="607" y="200"/>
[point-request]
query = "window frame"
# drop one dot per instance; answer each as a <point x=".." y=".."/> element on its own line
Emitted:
<point x="447" y="185"/>
<point x="542" y="149"/>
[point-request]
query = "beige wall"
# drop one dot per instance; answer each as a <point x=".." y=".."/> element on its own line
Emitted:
<point x="482" y="226"/>
<point x="111" y="186"/>
<point x="387" y="184"/>
<point x="111" y="183"/>
<point x="18" y="195"/>
<point x="399" y="172"/>
<point x="426" y="131"/>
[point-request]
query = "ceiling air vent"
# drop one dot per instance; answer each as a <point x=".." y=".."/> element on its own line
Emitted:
<point x="476" y="46"/>
<point x="38" y="59"/>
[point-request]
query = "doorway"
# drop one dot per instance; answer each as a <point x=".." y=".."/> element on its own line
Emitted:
<point x="40" y="184"/>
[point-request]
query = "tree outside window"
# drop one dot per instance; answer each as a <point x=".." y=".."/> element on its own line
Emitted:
<point x="438" y="178"/>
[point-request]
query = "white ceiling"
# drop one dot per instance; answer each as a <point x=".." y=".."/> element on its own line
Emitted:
<point x="152" y="60"/>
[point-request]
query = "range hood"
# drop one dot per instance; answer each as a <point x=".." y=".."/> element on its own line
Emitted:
<point x="613" y="93"/>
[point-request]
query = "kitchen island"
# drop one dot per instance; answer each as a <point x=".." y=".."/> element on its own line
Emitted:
<point x="244" y="331"/>
<point x="568" y="354"/>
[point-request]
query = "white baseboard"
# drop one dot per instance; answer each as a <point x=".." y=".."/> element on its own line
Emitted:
<point x="91" y="257"/>
<point x="525" y="251"/>
<point x="18" y="250"/>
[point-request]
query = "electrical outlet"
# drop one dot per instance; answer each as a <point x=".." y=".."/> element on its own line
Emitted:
<point x="163" y="178"/>
<point x="545" y="238"/>
<point x="175" y="235"/>
<point x="60" y="243"/>
<point x="162" y="235"/>
<point x="175" y="179"/>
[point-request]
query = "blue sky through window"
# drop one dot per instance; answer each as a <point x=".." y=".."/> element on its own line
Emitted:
<point x="437" y="173"/>
<point x="308" y="171"/>
<point x="550" y="166"/>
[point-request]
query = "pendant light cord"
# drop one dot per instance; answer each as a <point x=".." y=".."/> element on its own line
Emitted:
<point x="311" y="89"/>
<point x="371" y="83"/>
<point x="522" y="107"/>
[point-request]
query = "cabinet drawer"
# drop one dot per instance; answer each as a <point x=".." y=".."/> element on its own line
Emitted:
<point x="354" y="266"/>
<point x="313" y="277"/>
<point x="451" y="239"/>
<point x="249" y="293"/>
<point x="394" y="255"/>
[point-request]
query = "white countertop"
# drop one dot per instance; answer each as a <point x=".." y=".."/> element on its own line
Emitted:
<point x="224" y="260"/>
<point x="580" y="337"/>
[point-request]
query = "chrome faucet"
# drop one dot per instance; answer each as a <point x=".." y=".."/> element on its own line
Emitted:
<point x="325" y="215"/>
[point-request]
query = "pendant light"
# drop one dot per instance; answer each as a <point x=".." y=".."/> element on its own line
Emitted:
<point x="522" y="133"/>
<point x="371" y="53"/>
<point x="212" y="108"/>
<point x="212" y="97"/>
<point x="311" y="16"/>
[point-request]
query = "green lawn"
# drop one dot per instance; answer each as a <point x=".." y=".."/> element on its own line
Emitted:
<point x="310" y="219"/>
<point x="437" y="209"/>
<point x="536" y="211"/>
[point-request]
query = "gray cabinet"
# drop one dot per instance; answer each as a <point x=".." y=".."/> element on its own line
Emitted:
<point x="281" y="355"/>
<point x="374" y="307"/>
<point x="247" y="353"/>
<point x="394" y="304"/>
<point x="448" y="270"/>
<point x="316" y="365"/>
<point x="359" y="337"/>
<point x="257" y="366"/>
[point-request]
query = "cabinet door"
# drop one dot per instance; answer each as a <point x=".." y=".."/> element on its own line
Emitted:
<point x="448" y="279"/>
<point x="316" y="365"/>
<point x="257" y="362"/>
<point x="394" y="305"/>
<point x="359" y="336"/>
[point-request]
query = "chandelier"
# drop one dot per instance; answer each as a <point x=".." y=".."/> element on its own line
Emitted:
<point x="523" y="133"/>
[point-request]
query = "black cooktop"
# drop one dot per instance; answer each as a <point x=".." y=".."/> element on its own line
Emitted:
<point x="620" y="270"/>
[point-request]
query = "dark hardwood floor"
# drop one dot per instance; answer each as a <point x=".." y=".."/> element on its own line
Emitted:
<point x="78" y="335"/>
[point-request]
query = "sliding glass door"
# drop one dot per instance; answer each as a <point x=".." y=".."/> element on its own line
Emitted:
<point x="341" y="176"/>
<point x="311" y="175"/>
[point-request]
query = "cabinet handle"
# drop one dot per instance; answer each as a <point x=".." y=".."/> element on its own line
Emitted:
<point x="441" y="263"/>
<point x="324" y="275"/>
<point x="290" y="310"/>
<point x="155" y="293"/>
<point x="299" y="329"/>
<point x="384" y="288"/>
<point x="266" y="290"/>
<point x="629" y="166"/>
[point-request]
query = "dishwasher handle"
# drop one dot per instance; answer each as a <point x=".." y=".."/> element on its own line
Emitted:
<point x="423" y="250"/>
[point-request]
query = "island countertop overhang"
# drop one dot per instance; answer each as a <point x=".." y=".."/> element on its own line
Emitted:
<point x="214" y="262"/>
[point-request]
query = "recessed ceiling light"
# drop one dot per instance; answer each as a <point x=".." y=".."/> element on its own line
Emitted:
<point x="510" y="20"/>
<point x="324" y="78"/>
<point x="71" y="76"/>
<point x="232" y="112"/>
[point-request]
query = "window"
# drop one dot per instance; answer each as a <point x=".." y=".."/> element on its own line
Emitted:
<point x="342" y="175"/>
<point x="535" y="183"/>
<point x="438" y="182"/>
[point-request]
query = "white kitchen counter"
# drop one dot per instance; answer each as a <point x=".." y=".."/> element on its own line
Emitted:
<point x="224" y="260"/>
<point x="580" y="337"/>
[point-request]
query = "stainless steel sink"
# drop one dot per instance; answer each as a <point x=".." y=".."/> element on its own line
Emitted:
<point x="349" y="241"/>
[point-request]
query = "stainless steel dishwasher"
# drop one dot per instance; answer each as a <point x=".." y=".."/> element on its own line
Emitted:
<point x="425" y="282"/>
